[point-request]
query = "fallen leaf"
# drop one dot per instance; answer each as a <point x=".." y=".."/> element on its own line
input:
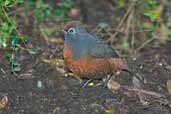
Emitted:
<point x="74" y="12"/>
<point x="169" y="86"/>
<point x="3" y="102"/>
<point x="91" y="84"/>
<point x="113" y="85"/>
<point x="162" y="33"/>
<point x="109" y="111"/>
<point x="56" y="61"/>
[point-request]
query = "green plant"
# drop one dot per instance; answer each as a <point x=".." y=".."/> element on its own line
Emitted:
<point x="10" y="3"/>
<point x="103" y="25"/>
<point x="62" y="9"/>
<point x="15" y="66"/>
<point x="169" y="36"/>
<point x="8" y="34"/>
<point x="42" y="11"/>
<point x="59" y="13"/>
<point x="9" y="37"/>
<point x="125" y="44"/>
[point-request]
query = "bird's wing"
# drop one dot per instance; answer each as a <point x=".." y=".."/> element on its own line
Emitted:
<point x="100" y="49"/>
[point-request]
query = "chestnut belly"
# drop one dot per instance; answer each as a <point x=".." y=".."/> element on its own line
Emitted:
<point x="94" y="68"/>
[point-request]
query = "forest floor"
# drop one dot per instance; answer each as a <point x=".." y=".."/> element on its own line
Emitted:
<point x="66" y="95"/>
<point x="39" y="88"/>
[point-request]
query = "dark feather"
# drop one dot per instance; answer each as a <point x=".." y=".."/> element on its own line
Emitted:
<point x="101" y="49"/>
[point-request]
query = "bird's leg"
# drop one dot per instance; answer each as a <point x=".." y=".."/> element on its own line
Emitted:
<point x="134" y="74"/>
<point x="110" y="77"/>
<point x="86" y="83"/>
<point x="105" y="80"/>
<point x="73" y="75"/>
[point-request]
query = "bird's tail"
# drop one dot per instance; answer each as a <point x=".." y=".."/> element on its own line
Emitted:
<point x="122" y="65"/>
<point x="118" y="64"/>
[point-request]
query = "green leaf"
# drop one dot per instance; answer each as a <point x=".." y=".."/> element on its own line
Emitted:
<point x="59" y="12"/>
<point x="103" y="25"/>
<point x="152" y="2"/>
<point x="121" y="3"/>
<point x="7" y="3"/>
<point x="48" y="12"/>
<point x="125" y="44"/>
<point x="26" y="39"/>
<point x="32" y="51"/>
<point x="45" y="31"/>
<point x="169" y="36"/>
<point x="66" y="18"/>
<point x="151" y="15"/>
<point x="15" y="40"/>
<point x="145" y="26"/>
<point x="20" y="1"/>
<point x="4" y="26"/>
<point x="40" y="15"/>
<point x="16" y="67"/>
<point x="68" y="5"/>
<point x="17" y="47"/>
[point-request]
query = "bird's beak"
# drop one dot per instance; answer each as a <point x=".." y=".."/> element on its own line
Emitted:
<point x="62" y="30"/>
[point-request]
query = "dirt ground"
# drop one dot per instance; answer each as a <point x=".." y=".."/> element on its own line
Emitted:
<point x="66" y="95"/>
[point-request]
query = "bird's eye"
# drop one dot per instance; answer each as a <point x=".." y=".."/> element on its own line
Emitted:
<point x="71" y="30"/>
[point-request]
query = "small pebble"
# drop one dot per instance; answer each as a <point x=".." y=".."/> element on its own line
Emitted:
<point x="39" y="84"/>
<point x="91" y="84"/>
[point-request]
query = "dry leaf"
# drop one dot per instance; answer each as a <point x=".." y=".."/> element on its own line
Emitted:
<point x="91" y="84"/>
<point x="113" y="85"/>
<point x="109" y="111"/>
<point x="56" y="61"/>
<point x="169" y="86"/>
<point x="162" y="34"/>
<point x="3" y="102"/>
<point x="74" y="12"/>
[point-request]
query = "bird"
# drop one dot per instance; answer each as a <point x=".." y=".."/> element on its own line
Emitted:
<point x="87" y="55"/>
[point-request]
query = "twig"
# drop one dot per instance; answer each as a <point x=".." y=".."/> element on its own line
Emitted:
<point x="116" y="30"/>
<point x="164" y="102"/>
<point x="86" y="83"/>
<point x="132" y="30"/>
<point x="136" y="31"/>
<point x="144" y="44"/>
<point x="3" y="71"/>
<point x="143" y="91"/>
<point x="121" y="23"/>
<point x="129" y="22"/>
<point x="162" y="99"/>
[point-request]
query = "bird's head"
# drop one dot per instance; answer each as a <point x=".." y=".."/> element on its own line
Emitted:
<point x="73" y="31"/>
<point x="76" y="37"/>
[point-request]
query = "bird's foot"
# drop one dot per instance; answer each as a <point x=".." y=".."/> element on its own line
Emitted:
<point x="88" y="82"/>
<point x="105" y="80"/>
